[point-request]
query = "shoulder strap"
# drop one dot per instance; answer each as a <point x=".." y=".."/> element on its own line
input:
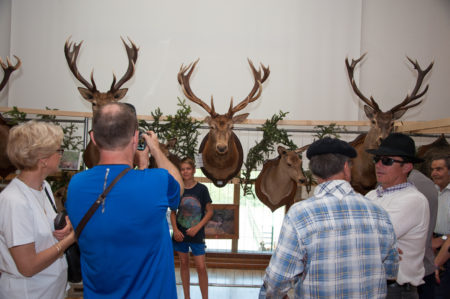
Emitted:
<point x="96" y="204"/>
<point x="50" y="200"/>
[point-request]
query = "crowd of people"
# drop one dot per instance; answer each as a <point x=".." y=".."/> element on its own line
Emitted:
<point x="391" y="243"/>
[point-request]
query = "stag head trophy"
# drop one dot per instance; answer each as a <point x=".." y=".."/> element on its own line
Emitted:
<point x="221" y="149"/>
<point x="6" y="166"/>
<point x="91" y="155"/>
<point x="381" y="125"/>
<point x="276" y="185"/>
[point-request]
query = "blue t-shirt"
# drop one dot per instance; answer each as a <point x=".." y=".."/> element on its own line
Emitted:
<point x="126" y="250"/>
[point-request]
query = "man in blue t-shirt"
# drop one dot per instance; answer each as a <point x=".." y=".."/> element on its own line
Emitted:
<point x="126" y="250"/>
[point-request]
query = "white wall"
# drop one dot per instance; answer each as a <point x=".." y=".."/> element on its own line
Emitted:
<point x="415" y="28"/>
<point x="5" y="31"/>
<point x="304" y="42"/>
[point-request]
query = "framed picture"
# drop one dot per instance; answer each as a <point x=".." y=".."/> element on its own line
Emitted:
<point x="70" y="160"/>
<point x="225" y="222"/>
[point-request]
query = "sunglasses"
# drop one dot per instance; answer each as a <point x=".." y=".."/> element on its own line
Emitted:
<point x="386" y="161"/>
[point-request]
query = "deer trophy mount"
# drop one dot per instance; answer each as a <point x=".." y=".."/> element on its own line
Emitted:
<point x="221" y="149"/>
<point x="276" y="184"/>
<point x="90" y="93"/>
<point x="6" y="167"/>
<point x="381" y="125"/>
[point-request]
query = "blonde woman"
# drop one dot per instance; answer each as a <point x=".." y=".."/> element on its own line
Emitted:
<point x="188" y="224"/>
<point x="31" y="251"/>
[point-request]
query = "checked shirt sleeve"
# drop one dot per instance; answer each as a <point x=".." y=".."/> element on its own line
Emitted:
<point x="390" y="252"/>
<point x="285" y="265"/>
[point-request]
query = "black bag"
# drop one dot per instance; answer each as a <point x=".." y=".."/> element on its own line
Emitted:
<point x="72" y="253"/>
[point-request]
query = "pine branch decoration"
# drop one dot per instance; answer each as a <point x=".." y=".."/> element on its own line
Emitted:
<point x="261" y="151"/>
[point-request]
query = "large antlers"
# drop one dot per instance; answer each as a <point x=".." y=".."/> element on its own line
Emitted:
<point x="408" y="99"/>
<point x="72" y="55"/>
<point x="8" y="68"/>
<point x="414" y="96"/>
<point x="183" y="80"/>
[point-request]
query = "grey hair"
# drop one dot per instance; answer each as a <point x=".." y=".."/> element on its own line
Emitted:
<point x="326" y="165"/>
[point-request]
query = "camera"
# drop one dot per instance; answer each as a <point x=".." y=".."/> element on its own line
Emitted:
<point x="141" y="143"/>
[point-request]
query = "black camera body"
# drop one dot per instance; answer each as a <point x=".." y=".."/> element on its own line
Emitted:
<point x="60" y="220"/>
<point x="141" y="143"/>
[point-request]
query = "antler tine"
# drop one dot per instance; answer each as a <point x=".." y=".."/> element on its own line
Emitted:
<point x="414" y="94"/>
<point x="71" y="57"/>
<point x="256" y="87"/>
<point x="183" y="80"/>
<point x="132" y="54"/>
<point x="350" y="71"/>
<point x="8" y="68"/>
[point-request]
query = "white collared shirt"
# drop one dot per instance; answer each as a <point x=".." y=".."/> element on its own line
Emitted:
<point x="443" y="214"/>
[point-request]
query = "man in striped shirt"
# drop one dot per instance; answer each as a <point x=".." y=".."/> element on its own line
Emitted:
<point x="336" y="244"/>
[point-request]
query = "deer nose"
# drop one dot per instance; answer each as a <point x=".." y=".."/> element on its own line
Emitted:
<point x="222" y="149"/>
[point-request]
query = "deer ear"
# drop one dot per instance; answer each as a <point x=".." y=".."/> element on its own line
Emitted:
<point x="86" y="94"/>
<point x="281" y="150"/>
<point x="240" y="118"/>
<point x="207" y="119"/>
<point x="369" y="111"/>
<point x="399" y="113"/>
<point x="118" y="95"/>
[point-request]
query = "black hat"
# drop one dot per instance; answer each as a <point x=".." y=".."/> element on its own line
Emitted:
<point x="329" y="145"/>
<point x="397" y="144"/>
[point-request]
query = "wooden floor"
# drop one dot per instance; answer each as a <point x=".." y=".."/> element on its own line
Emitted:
<point x="223" y="284"/>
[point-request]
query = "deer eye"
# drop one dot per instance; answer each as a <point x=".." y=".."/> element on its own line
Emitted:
<point x="373" y="122"/>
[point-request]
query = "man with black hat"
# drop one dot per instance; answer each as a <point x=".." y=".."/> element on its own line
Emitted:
<point x="336" y="244"/>
<point x="407" y="208"/>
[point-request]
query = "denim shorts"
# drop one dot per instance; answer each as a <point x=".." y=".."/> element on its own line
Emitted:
<point x="196" y="248"/>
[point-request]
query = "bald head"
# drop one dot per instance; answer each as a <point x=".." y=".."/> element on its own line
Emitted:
<point x="114" y="125"/>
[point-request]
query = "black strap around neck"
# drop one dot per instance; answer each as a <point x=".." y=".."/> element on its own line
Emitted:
<point x="50" y="200"/>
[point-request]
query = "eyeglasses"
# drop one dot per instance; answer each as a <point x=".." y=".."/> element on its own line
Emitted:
<point x="386" y="161"/>
<point x="60" y="151"/>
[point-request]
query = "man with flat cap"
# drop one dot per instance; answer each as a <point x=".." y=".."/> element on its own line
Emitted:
<point x="407" y="207"/>
<point x="336" y="244"/>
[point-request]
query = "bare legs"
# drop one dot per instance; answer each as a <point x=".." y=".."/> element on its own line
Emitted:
<point x="202" y="275"/>
<point x="185" y="274"/>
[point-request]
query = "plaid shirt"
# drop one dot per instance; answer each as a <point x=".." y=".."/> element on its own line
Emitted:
<point x="336" y="244"/>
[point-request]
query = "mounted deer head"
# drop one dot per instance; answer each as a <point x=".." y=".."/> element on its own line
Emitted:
<point x="91" y="154"/>
<point x="8" y="68"/>
<point x="276" y="185"/>
<point x="90" y="93"/>
<point x="6" y="166"/>
<point x="221" y="149"/>
<point x="381" y="125"/>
